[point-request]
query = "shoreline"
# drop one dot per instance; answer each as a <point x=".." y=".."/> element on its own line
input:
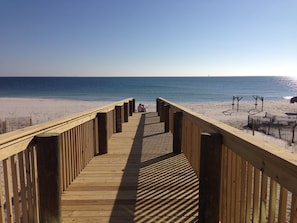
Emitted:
<point x="45" y="109"/>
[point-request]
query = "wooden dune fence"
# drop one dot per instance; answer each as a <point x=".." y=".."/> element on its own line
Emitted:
<point x="39" y="162"/>
<point x="242" y="178"/>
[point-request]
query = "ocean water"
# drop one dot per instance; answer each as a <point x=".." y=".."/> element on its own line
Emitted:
<point x="176" y="89"/>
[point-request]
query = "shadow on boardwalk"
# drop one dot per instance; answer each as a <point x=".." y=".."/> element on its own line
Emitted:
<point x="161" y="185"/>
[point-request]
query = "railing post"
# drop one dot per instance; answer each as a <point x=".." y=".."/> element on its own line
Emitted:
<point x="126" y="112"/>
<point x="166" y="117"/>
<point x="102" y="132"/>
<point x="48" y="167"/>
<point x="133" y="105"/>
<point x="162" y="111"/>
<point x="158" y="105"/>
<point x="177" y="132"/>
<point x="210" y="177"/>
<point x="130" y="108"/>
<point x="118" y="110"/>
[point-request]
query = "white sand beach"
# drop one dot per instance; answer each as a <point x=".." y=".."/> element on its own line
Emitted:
<point x="42" y="110"/>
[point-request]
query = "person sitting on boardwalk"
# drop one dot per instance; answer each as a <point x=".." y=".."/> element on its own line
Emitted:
<point x="141" y="108"/>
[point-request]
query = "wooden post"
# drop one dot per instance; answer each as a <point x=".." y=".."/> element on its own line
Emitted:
<point x="158" y="105"/>
<point x="210" y="178"/>
<point x="166" y="117"/>
<point x="133" y="105"/>
<point x="48" y="167"/>
<point x="118" y="110"/>
<point x="102" y="132"/>
<point x="126" y="112"/>
<point x="161" y="111"/>
<point x="177" y="132"/>
<point x="130" y="108"/>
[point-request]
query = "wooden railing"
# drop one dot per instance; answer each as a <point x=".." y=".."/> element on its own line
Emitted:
<point x="41" y="161"/>
<point x="242" y="178"/>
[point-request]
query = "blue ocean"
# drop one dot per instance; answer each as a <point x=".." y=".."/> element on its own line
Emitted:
<point x="176" y="89"/>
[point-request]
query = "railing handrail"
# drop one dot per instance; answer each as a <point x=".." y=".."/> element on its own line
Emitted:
<point x="250" y="180"/>
<point x="60" y="149"/>
<point x="25" y="136"/>
<point x="277" y="162"/>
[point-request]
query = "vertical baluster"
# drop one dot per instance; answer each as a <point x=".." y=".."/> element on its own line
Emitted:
<point x="282" y="205"/>
<point x="233" y="187"/>
<point x="29" y="184"/>
<point x="14" y="175"/>
<point x="272" y="201"/>
<point x="263" y="199"/>
<point x="2" y="215"/>
<point x="229" y="185"/>
<point x="67" y="158"/>
<point x="8" y="192"/>
<point x="63" y="162"/>
<point x="238" y="184"/>
<point x="256" y="195"/>
<point x="243" y="190"/>
<point x="35" y="184"/>
<point x="83" y="143"/>
<point x="294" y="209"/>
<point x="77" y="151"/>
<point x="23" y="187"/>
<point x="249" y="192"/>
<point x="72" y="146"/>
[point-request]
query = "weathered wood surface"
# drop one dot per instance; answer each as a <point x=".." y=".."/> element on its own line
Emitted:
<point x="139" y="180"/>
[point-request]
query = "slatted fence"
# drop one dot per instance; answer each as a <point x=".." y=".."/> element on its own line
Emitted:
<point x="39" y="162"/>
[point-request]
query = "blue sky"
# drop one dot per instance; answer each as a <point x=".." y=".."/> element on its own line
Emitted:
<point x="148" y="37"/>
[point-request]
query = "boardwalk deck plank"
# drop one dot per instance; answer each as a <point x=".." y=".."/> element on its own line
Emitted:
<point x="139" y="180"/>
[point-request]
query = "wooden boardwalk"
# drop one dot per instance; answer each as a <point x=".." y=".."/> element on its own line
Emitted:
<point x="139" y="180"/>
